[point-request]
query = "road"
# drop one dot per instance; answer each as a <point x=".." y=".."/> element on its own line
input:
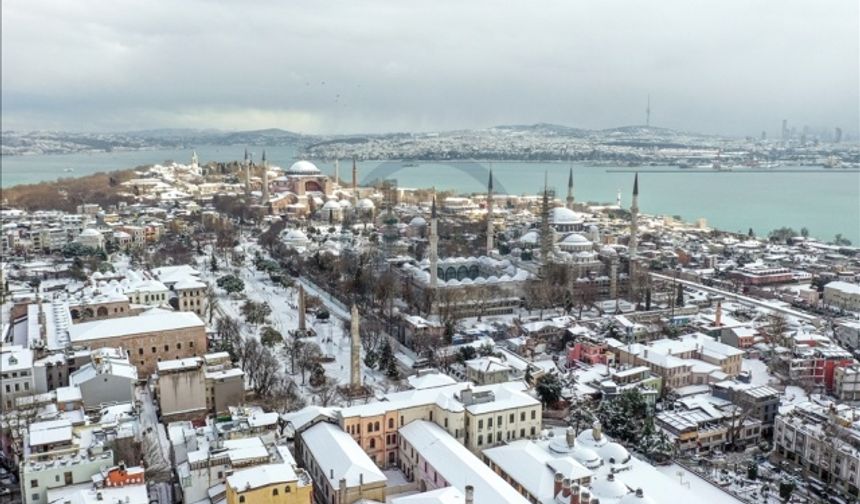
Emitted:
<point x="740" y="298"/>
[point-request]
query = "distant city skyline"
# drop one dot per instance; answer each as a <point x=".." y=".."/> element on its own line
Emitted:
<point x="731" y="68"/>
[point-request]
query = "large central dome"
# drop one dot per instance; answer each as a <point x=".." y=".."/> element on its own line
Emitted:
<point x="303" y="168"/>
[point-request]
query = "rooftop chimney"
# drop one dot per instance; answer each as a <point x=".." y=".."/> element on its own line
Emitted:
<point x="574" y="494"/>
<point x="565" y="487"/>
<point x="597" y="431"/>
<point x="556" y="484"/>
<point x="470" y="494"/>
<point x="718" y="319"/>
<point x="570" y="437"/>
<point x="640" y="493"/>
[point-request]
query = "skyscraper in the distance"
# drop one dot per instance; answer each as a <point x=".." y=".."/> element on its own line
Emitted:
<point x="837" y="136"/>
<point x="784" y="130"/>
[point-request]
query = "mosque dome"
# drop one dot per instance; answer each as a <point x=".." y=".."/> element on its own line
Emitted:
<point x="365" y="204"/>
<point x="418" y="221"/>
<point x="608" y="488"/>
<point x="592" y="438"/>
<point x="614" y="454"/>
<point x="303" y="168"/>
<point x="331" y="205"/>
<point x="562" y="216"/>
<point x="576" y="239"/>
<point x="530" y="238"/>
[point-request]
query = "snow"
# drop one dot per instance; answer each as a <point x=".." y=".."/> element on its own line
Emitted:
<point x="261" y="476"/>
<point x="456" y="464"/>
<point x="691" y="486"/>
<point x="340" y="456"/>
<point x="758" y="371"/>
<point x="123" y="326"/>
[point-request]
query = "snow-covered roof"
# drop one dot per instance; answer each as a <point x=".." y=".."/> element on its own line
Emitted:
<point x="457" y="465"/>
<point x="302" y="168"/>
<point x="124" y="326"/>
<point x="535" y="468"/>
<point x="262" y="476"/>
<point x="340" y="457"/>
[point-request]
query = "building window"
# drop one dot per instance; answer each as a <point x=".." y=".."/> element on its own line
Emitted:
<point x="274" y="491"/>
<point x="287" y="489"/>
<point x="140" y="351"/>
<point x="533" y="414"/>
<point x="34" y="483"/>
<point x="242" y="499"/>
<point x="523" y="416"/>
<point x="153" y="349"/>
<point x="179" y="347"/>
<point x="390" y="423"/>
<point x="480" y="439"/>
<point x="372" y="443"/>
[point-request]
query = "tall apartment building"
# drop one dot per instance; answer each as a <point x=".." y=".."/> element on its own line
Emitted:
<point x="824" y="441"/>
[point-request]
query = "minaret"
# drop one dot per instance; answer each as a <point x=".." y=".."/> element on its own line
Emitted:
<point x="265" y="178"/>
<point x="634" y="219"/>
<point x="570" y="199"/>
<point x="618" y="199"/>
<point x="194" y="161"/>
<point x="434" y="246"/>
<point x="490" y="214"/>
<point x="546" y="237"/>
<point x="355" y="352"/>
<point x="247" y="164"/>
<point x="354" y="184"/>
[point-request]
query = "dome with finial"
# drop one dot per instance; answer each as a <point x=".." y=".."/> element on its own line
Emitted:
<point x="303" y="168"/>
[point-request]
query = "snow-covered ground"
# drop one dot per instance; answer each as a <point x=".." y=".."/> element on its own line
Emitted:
<point x="758" y="370"/>
<point x="330" y="335"/>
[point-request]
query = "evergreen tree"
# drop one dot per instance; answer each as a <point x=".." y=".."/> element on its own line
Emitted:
<point x="679" y="300"/>
<point x="213" y="263"/>
<point x="370" y="358"/>
<point x="386" y="357"/>
<point x="548" y="389"/>
<point x="391" y="371"/>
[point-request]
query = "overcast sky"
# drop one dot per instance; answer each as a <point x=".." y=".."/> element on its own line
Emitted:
<point x="730" y="66"/>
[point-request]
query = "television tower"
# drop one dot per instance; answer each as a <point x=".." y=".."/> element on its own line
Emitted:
<point x="648" y="113"/>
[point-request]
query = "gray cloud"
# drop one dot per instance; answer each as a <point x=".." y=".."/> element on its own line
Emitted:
<point x="735" y="67"/>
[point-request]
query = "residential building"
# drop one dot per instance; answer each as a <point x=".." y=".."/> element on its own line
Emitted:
<point x="844" y="295"/>
<point x="149" y="337"/>
<point x="342" y="472"/>
<point x="108" y="379"/>
<point x="435" y="459"/>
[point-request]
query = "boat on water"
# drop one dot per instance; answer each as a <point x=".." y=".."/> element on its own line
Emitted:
<point x="68" y="170"/>
<point x="410" y="164"/>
